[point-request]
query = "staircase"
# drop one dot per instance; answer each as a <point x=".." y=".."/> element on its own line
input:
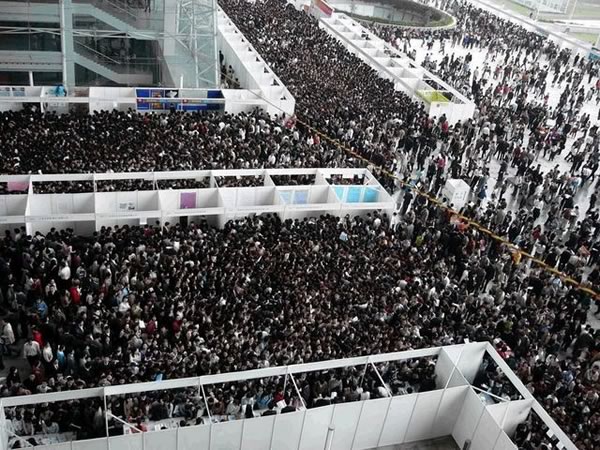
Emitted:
<point x="109" y="68"/>
<point x="115" y="14"/>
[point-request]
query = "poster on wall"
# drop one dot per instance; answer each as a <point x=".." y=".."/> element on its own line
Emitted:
<point x="17" y="186"/>
<point x="371" y="195"/>
<point x="164" y="100"/>
<point x="354" y="194"/>
<point x="187" y="200"/>
<point x="301" y="197"/>
<point x="126" y="206"/>
<point x="156" y="99"/>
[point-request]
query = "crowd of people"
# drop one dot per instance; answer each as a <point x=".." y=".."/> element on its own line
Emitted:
<point x="147" y="303"/>
<point x="131" y="304"/>
<point x="115" y="141"/>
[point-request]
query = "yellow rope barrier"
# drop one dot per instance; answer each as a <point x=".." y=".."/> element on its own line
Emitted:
<point x="336" y="142"/>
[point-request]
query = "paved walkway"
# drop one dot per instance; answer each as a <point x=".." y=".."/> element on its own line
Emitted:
<point x="479" y="58"/>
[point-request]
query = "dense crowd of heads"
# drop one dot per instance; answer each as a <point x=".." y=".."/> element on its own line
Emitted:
<point x="140" y="304"/>
<point x="131" y="304"/>
<point x="127" y="142"/>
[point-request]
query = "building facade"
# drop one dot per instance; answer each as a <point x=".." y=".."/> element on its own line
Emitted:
<point x="168" y="43"/>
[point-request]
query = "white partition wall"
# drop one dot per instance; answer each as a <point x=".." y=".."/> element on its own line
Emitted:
<point x="456" y="411"/>
<point x="395" y="66"/>
<point x="163" y="200"/>
<point x="252" y="72"/>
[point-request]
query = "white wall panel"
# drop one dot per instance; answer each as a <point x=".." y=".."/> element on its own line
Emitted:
<point x="453" y="352"/>
<point x="318" y="194"/>
<point x="12" y="205"/>
<point x="105" y="201"/>
<point x="147" y="200"/>
<point x="448" y="412"/>
<point x="345" y="419"/>
<point x="125" y="199"/>
<point x="396" y="424"/>
<point x="517" y="413"/>
<point x="265" y="195"/>
<point x="457" y="379"/>
<point x="246" y="197"/>
<point x="207" y="198"/>
<point x="62" y="446"/>
<point x="497" y="411"/>
<point x="62" y="203"/>
<point x="470" y="359"/>
<point x="194" y="438"/>
<point x="314" y="431"/>
<point x="371" y="422"/>
<point x="83" y="203"/>
<point x="468" y="418"/>
<point x="443" y="370"/>
<point x="504" y="443"/>
<point x="288" y="428"/>
<point x="41" y="205"/>
<point x="169" y="199"/>
<point x="92" y="444"/>
<point x="161" y="440"/>
<point x="127" y="442"/>
<point x="257" y="433"/>
<point x="486" y="433"/>
<point x="226" y="435"/>
<point x="421" y="423"/>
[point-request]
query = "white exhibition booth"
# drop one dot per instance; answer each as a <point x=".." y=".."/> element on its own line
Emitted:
<point x="261" y="87"/>
<point x="253" y="73"/>
<point x="454" y="408"/>
<point x="456" y="191"/>
<point x="86" y="212"/>
<point x="418" y="83"/>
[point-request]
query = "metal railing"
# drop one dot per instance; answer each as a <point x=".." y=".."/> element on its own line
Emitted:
<point x="120" y="9"/>
<point x="95" y="55"/>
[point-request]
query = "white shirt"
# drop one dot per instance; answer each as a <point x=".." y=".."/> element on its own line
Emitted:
<point x="31" y="349"/>
<point x="65" y="273"/>
<point x="8" y="334"/>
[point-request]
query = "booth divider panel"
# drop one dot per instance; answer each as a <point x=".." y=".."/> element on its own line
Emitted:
<point x="257" y="433"/>
<point x="194" y="438"/>
<point x="288" y="429"/>
<point x="450" y="407"/>
<point x="61" y="446"/>
<point x="504" y="442"/>
<point x="422" y="420"/>
<point x="443" y="370"/>
<point x="226" y="435"/>
<point x="453" y="352"/>
<point x="497" y="411"/>
<point x="486" y="433"/>
<point x="470" y="359"/>
<point x="127" y="442"/>
<point x="314" y="431"/>
<point x="161" y="440"/>
<point x="457" y="379"/>
<point x="92" y="444"/>
<point x="468" y="418"/>
<point x="518" y="410"/>
<point x="398" y="417"/>
<point x="13" y="205"/>
<point x="370" y="423"/>
<point x="345" y="419"/>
